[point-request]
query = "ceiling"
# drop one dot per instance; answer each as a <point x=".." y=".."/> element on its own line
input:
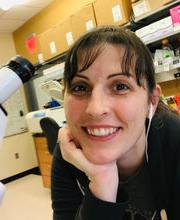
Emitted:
<point x="15" y="17"/>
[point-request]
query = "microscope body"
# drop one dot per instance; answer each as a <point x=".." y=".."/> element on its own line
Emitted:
<point x="18" y="71"/>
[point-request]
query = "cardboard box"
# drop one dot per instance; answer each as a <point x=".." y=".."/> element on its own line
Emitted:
<point x="143" y="7"/>
<point x="175" y="15"/>
<point x="47" y="44"/>
<point x="83" y="21"/>
<point x="140" y="8"/>
<point x="56" y="40"/>
<point x="64" y="35"/>
<point x="155" y="4"/>
<point x="167" y="1"/>
<point x="109" y="12"/>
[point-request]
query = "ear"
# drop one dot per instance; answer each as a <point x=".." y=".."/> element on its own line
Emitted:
<point x="155" y="96"/>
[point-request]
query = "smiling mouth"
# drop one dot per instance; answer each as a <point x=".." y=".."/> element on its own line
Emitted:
<point x="101" y="132"/>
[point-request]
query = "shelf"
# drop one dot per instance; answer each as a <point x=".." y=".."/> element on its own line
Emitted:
<point x="166" y="76"/>
<point x="162" y="37"/>
<point x="148" y="18"/>
<point x="157" y="11"/>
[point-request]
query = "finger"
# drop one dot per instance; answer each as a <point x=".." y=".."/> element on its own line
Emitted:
<point x="65" y="135"/>
<point x="66" y="143"/>
<point x="72" y="152"/>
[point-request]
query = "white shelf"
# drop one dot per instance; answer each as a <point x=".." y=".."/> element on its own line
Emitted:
<point x="166" y="76"/>
<point x="162" y="37"/>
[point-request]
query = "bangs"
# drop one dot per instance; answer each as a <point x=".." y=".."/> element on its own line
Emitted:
<point x="87" y="56"/>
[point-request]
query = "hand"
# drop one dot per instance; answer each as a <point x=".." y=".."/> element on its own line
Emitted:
<point x="103" y="178"/>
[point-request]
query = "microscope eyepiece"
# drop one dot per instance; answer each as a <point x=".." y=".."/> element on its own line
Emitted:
<point x="22" y="67"/>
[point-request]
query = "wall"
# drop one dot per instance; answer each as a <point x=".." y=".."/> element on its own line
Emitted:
<point x="47" y="18"/>
<point x="7" y="47"/>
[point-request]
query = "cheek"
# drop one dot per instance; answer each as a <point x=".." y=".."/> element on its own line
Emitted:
<point x="133" y="110"/>
<point x="73" y="109"/>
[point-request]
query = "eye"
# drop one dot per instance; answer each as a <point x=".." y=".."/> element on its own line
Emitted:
<point x="120" y="87"/>
<point x="80" y="89"/>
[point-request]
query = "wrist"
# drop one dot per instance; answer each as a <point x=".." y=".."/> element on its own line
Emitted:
<point x="105" y="186"/>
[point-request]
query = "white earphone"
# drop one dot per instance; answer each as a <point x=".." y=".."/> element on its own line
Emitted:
<point x="151" y="111"/>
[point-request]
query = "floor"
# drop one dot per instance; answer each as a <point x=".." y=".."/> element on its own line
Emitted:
<point x="26" y="199"/>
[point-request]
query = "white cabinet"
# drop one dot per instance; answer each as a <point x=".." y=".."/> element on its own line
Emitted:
<point x="17" y="155"/>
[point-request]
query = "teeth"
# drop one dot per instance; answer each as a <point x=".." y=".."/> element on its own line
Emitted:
<point x="101" y="131"/>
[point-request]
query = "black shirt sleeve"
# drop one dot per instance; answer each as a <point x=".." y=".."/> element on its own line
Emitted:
<point x="65" y="194"/>
<point x="93" y="208"/>
<point x="69" y="203"/>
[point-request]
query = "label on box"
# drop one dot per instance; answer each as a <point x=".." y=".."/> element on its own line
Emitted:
<point x="140" y="8"/>
<point x="89" y="25"/>
<point x="69" y="38"/>
<point x="52" y="47"/>
<point x="116" y="11"/>
<point x="166" y="67"/>
<point x="40" y="58"/>
<point x="177" y="28"/>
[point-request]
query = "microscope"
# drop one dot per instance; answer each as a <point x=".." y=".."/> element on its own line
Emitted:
<point x="16" y="72"/>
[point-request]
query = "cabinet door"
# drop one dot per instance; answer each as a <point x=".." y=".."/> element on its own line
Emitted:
<point x="44" y="159"/>
<point x="17" y="155"/>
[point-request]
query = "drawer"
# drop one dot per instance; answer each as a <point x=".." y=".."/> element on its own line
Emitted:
<point x="45" y="169"/>
<point x="46" y="181"/>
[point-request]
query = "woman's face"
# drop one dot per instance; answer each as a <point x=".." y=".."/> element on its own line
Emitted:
<point x="106" y="110"/>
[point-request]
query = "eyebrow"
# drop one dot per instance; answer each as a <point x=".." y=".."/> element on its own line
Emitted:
<point x="120" y="74"/>
<point x="81" y="76"/>
<point x="110" y="76"/>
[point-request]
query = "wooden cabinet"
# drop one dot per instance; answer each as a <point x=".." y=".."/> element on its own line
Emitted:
<point x="44" y="159"/>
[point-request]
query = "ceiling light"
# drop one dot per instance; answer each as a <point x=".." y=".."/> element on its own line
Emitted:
<point x="6" y="5"/>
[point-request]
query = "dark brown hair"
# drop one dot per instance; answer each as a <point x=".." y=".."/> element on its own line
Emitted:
<point x="86" y="49"/>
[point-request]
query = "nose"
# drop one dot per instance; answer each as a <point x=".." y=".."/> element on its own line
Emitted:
<point x="98" y="104"/>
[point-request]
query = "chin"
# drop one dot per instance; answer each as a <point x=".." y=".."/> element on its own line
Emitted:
<point x="99" y="159"/>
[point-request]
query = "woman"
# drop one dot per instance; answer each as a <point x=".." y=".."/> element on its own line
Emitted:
<point x="119" y="154"/>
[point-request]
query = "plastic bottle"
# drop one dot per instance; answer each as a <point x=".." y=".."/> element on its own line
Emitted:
<point x="167" y="48"/>
<point x="177" y="49"/>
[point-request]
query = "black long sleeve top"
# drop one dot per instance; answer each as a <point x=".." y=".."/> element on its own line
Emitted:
<point x="72" y="199"/>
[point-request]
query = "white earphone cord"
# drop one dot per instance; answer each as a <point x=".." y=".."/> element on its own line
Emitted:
<point x="146" y="143"/>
